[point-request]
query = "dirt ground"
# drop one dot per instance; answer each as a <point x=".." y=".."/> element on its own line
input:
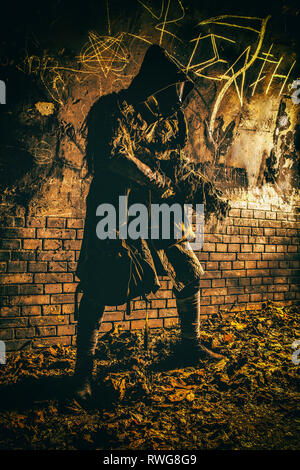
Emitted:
<point x="249" y="400"/>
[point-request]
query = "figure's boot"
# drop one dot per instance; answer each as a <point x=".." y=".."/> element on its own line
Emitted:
<point x="190" y="347"/>
<point x="87" y="335"/>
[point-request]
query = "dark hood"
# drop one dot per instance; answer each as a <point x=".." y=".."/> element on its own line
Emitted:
<point x="157" y="73"/>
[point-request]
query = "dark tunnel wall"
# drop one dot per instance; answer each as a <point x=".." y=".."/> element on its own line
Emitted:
<point x="57" y="58"/>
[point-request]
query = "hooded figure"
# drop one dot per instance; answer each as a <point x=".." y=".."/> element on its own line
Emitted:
<point x="134" y="142"/>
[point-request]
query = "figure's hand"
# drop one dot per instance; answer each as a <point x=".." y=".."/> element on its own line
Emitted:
<point x="181" y="138"/>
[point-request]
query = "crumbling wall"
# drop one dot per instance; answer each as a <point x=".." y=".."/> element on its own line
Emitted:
<point x="250" y="259"/>
<point x="243" y="117"/>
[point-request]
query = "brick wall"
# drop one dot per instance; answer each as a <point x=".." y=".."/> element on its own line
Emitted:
<point x="252" y="257"/>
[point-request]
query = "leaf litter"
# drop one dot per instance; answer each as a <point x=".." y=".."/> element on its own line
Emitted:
<point x="249" y="400"/>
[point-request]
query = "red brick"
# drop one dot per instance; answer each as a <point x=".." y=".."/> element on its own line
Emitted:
<point x="238" y="265"/>
<point x="31" y="310"/>
<point x="56" y="255"/>
<point x="262" y="264"/>
<point x="246" y="230"/>
<point x="269" y="224"/>
<point x="47" y="278"/>
<point x="62" y="298"/>
<point x="10" y="244"/>
<point x="212" y="275"/>
<point x="13" y="322"/>
<point x="4" y="255"/>
<point x="170" y="322"/>
<point x="16" y="266"/>
<point x="17" y="232"/>
<point x="16" y="344"/>
<point x="31" y="289"/>
<point x="30" y="300"/>
<point x="249" y="256"/>
<point x="217" y="299"/>
<point x="36" y="222"/>
<point x="3" y="267"/>
<point x="53" y="310"/>
<point x="37" y="266"/>
<point x="158" y="303"/>
<point x="213" y="238"/>
<point x="32" y="244"/>
<point x="209" y="247"/>
<point x="225" y="265"/>
<point x="217" y="283"/>
<point x="56" y="222"/>
<point x="46" y="342"/>
<point x="248" y="214"/>
<point x="48" y="320"/>
<point x="72" y="244"/>
<point x="278" y="288"/>
<point x="259" y="214"/>
<point x="246" y="248"/>
<point x="9" y="311"/>
<point x="23" y="255"/>
<point x="106" y="326"/>
<point x="221" y="247"/>
<point x="67" y="308"/>
<point x="205" y="283"/>
<point x="273" y="256"/>
<point x="75" y="223"/>
<point x="222" y="256"/>
<point x="235" y="239"/>
<point x="69" y="287"/>
<point x="214" y="291"/>
<point x="202" y="256"/>
<point x="6" y="334"/>
<point x="24" y="333"/>
<point x="257" y="272"/>
<point x="233" y="247"/>
<point x="46" y="330"/>
<point x="235" y="213"/>
<point x="234" y="273"/>
<point x="230" y="299"/>
<point x="232" y="230"/>
<point x="53" y="288"/>
<point x="56" y="233"/>
<point x="211" y="265"/>
<point x="257" y="232"/>
<point x="163" y="294"/>
<point x="52" y="244"/>
<point x="246" y="222"/>
<point x="79" y="234"/>
<point x="57" y="266"/>
<point x="243" y="298"/>
<point x="15" y="278"/>
<point x="167" y="312"/>
<point x="66" y="330"/>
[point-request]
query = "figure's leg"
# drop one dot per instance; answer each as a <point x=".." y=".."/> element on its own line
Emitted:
<point x="188" y="307"/>
<point x="89" y="316"/>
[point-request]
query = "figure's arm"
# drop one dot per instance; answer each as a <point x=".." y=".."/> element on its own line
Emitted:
<point x="131" y="167"/>
<point x="126" y="161"/>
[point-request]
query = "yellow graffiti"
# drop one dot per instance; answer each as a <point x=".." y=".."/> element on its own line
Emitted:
<point x="164" y="12"/>
<point x="105" y="53"/>
<point x="276" y="75"/>
<point x="241" y="71"/>
<point x="269" y="59"/>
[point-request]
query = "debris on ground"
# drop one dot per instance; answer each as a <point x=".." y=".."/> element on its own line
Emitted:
<point x="249" y="400"/>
